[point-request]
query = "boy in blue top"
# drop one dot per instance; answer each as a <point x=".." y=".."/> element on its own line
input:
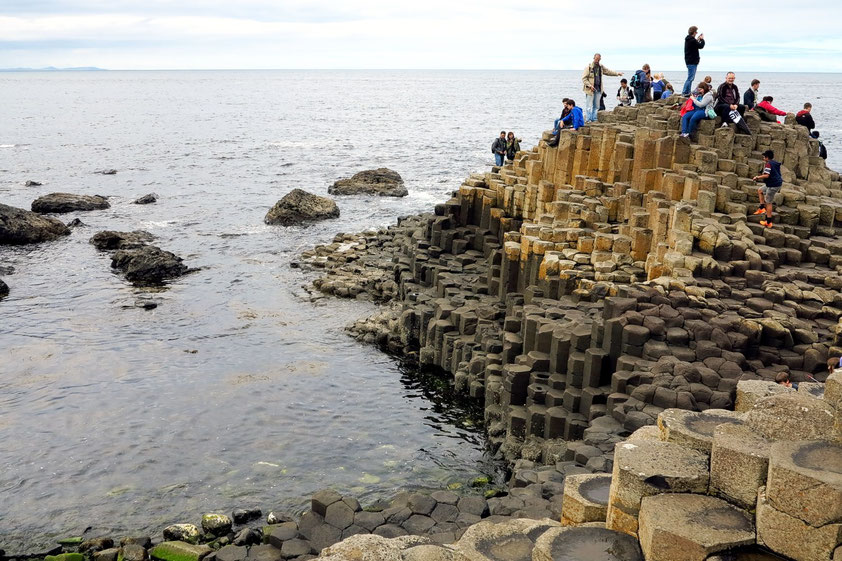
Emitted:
<point x="771" y="176"/>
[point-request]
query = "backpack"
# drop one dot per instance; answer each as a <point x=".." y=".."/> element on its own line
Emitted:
<point x="822" y="151"/>
<point x="635" y="80"/>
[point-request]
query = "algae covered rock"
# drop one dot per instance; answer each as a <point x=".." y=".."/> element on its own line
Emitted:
<point x="182" y="532"/>
<point x="216" y="524"/>
<point x="299" y="206"/>
<point x="19" y="226"/>
<point x="60" y="203"/>
<point x="179" y="551"/>
<point x="381" y="181"/>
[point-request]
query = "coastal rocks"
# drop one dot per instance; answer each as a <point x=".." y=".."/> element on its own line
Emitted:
<point x="148" y="265"/>
<point x="244" y="515"/>
<point x="58" y="203"/>
<point x="382" y="181"/>
<point x="179" y="551"/>
<point x="4" y="289"/>
<point x="299" y="206"/>
<point x="31" y="183"/>
<point x="111" y="240"/>
<point x="182" y="532"/>
<point x="107" y="171"/>
<point x="19" y="226"/>
<point x="146" y="199"/>
<point x="216" y="524"/>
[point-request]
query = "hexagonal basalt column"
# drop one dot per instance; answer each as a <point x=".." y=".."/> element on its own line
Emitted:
<point x="739" y="462"/>
<point x="507" y="541"/>
<point x="585" y="498"/>
<point x="750" y="391"/>
<point x="585" y="544"/>
<point x="792" y="416"/>
<point x="792" y="536"/>
<point x="805" y="481"/>
<point x="694" y="429"/>
<point x="691" y="527"/>
<point x="642" y="469"/>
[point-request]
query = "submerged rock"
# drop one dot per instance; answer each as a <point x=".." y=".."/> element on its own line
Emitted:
<point x="381" y="181"/>
<point x="30" y="183"/>
<point x="109" y="239"/>
<point x="19" y="226"/>
<point x="4" y="289"/>
<point x="67" y="202"/>
<point x="146" y="199"/>
<point x="107" y="172"/>
<point x="76" y="223"/>
<point x="148" y="265"/>
<point x="299" y="206"/>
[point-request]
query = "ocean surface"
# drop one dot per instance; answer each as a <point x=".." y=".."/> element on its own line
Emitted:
<point x="237" y="390"/>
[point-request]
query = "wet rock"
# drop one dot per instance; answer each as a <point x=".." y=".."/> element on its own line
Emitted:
<point x="513" y="540"/>
<point x="243" y="515"/>
<point x="264" y="552"/>
<point x="382" y="181"/>
<point x="231" y="553"/>
<point x="148" y="265"/>
<point x="4" y="289"/>
<point x="109" y="239"/>
<point x="108" y="171"/>
<point x="294" y="548"/>
<point x="30" y="183"/>
<point x="110" y="554"/>
<point x="278" y="518"/>
<point x="585" y="544"/>
<point x="133" y="552"/>
<point x="216" y="524"/>
<point x="369" y="546"/>
<point x="96" y="544"/>
<point x="280" y="533"/>
<point x="179" y="551"/>
<point x="146" y="199"/>
<point x="299" y="206"/>
<point x="182" y="532"/>
<point x="19" y="226"/>
<point x="59" y="203"/>
<point x="76" y="223"/>
<point x="143" y="541"/>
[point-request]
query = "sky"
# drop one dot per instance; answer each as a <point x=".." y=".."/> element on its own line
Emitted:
<point x="766" y="36"/>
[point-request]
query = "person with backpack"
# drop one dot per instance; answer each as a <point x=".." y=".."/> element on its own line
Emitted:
<point x="771" y="176"/>
<point x="692" y="45"/>
<point x="804" y="118"/>
<point x="593" y="86"/>
<point x="822" y="149"/>
<point x="498" y="148"/>
<point x="767" y="111"/>
<point x="512" y="146"/>
<point x="641" y="82"/>
<point x="625" y="94"/>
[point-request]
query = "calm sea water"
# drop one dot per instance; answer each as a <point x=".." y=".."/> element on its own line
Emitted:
<point x="237" y="390"/>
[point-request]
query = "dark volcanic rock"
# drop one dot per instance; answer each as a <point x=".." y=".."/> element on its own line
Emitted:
<point x="107" y="172"/>
<point x="66" y="202"/>
<point x="30" y="183"/>
<point x="110" y="239"/>
<point x="148" y="265"/>
<point x="299" y="206"/>
<point x="146" y="199"/>
<point x="4" y="289"/>
<point x="19" y="226"/>
<point x="76" y="223"/>
<point x="381" y="181"/>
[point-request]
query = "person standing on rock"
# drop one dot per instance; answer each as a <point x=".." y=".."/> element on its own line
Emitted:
<point x="498" y="148"/>
<point x="512" y="146"/>
<point x="692" y="45"/>
<point x="771" y="176"/>
<point x="641" y="83"/>
<point x="592" y="81"/>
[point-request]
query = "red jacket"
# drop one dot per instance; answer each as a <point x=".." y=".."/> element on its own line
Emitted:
<point x="771" y="109"/>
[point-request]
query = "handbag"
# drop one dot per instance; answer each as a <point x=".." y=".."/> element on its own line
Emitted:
<point x="710" y="113"/>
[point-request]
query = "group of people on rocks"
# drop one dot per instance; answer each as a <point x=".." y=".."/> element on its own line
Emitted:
<point x="505" y="147"/>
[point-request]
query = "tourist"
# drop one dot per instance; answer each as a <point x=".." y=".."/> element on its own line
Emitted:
<point x="767" y="111"/>
<point x="771" y="176"/>
<point x="564" y="111"/>
<point x="592" y="81"/>
<point x="703" y="109"/>
<point x="709" y="81"/>
<point x="783" y="379"/>
<point x="498" y="148"/>
<point x="624" y="93"/>
<point x="641" y="82"/>
<point x="657" y="87"/>
<point x="805" y="118"/>
<point x="668" y="91"/>
<point x="728" y="101"/>
<point x="512" y="146"/>
<point x="574" y="119"/>
<point x="822" y="149"/>
<point x="750" y="97"/>
<point x="692" y="44"/>
<point x="833" y="363"/>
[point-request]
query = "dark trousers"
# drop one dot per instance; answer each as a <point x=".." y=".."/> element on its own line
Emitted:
<point x="640" y="95"/>
<point x="723" y="110"/>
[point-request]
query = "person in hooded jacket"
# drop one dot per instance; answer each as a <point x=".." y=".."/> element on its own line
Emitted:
<point x="692" y="45"/>
<point x="574" y="119"/>
<point x="767" y="111"/>
<point x="804" y="117"/>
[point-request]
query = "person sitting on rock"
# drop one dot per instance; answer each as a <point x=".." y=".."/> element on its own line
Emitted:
<point x="805" y="118"/>
<point x="750" y="97"/>
<point x="783" y="379"/>
<point x="822" y="148"/>
<point x="565" y="110"/>
<point x="728" y="99"/>
<point x="771" y="176"/>
<point x="767" y="111"/>
<point x="574" y="119"/>
<point x="702" y="100"/>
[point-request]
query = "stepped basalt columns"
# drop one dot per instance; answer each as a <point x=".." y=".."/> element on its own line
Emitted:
<point x="616" y="275"/>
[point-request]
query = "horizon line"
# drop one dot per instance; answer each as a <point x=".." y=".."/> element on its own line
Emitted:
<point x="98" y="69"/>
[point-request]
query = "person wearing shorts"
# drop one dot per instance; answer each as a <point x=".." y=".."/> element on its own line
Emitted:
<point x="771" y="176"/>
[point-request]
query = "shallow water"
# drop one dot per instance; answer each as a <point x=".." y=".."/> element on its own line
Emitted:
<point x="236" y="390"/>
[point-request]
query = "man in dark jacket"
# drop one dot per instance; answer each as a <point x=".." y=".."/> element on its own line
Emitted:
<point x="692" y="44"/>
<point x="499" y="148"/>
<point x="805" y="119"/>
<point x="728" y="99"/>
<point x="750" y="97"/>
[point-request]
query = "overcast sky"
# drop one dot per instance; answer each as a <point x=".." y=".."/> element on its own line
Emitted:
<point x="771" y="35"/>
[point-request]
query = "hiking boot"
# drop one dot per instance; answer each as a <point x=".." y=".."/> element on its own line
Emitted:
<point x="767" y="223"/>
<point x="760" y="211"/>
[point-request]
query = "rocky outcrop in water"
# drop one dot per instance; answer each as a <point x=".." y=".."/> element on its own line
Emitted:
<point x="110" y="240"/>
<point x="19" y="226"/>
<point x="31" y="183"/>
<point x="4" y="289"/>
<point x="382" y="181"/>
<point x="299" y="206"/>
<point x="58" y="203"/>
<point x="143" y="264"/>
<point x="146" y="199"/>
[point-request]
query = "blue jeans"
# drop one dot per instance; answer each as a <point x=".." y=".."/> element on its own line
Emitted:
<point x="499" y="158"/>
<point x="592" y="105"/>
<point x="690" y="120"/>
<point x="691" y="75"/>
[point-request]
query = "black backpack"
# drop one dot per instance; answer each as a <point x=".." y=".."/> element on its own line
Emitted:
<point x="822" y="151"/>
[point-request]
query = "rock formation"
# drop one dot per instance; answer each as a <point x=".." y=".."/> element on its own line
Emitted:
<point x="59" y="203"/>
<point x="19" y="226"/>
<point x="149" y="198"/>
<point x="299" y="206"/>
<point x="382" y="181"/>
<point x="4" y="289"/>
<point x="143" y="264"/>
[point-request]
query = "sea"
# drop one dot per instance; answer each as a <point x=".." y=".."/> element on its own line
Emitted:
<point x="239" y="389"/>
